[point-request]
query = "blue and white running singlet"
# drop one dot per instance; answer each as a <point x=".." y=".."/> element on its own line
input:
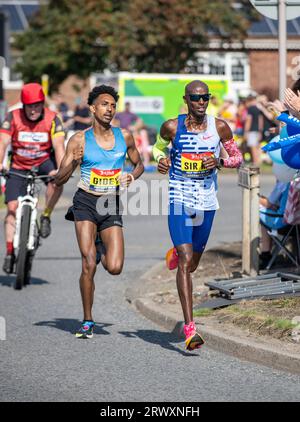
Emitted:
<point x="100" y="168"/>
<point x="190" y="183"/>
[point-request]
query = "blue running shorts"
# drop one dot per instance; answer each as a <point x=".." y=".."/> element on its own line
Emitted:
<point x="188" y="225"/>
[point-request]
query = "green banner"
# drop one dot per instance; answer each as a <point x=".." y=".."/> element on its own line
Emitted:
<point x="159" y="98"/>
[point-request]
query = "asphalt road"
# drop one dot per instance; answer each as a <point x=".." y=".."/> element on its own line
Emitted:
<point x="129" y="358"/>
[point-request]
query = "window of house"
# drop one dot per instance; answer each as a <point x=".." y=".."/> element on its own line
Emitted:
<point x="238" y="69"/>
<point x="207" y="64"/>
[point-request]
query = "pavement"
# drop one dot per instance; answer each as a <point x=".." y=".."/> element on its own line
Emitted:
<point x="155" y="296"/>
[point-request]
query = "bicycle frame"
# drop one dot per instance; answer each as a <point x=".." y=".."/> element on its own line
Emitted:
<point x="32" y="202"/>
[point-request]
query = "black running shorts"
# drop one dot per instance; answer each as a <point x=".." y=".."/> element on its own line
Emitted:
<point x="104" y="211"/>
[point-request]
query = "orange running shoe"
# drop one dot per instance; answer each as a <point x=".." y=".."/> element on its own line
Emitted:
<point x="193" y="340"/>
<point x="172" y="259"/>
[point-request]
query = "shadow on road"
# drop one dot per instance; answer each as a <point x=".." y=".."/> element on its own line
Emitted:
<point x="6" y="280"/>
<point x="58" y="258"/>
<point x="160" y="338"/>
<point x="144" y="257"/>
<point x="72" y="325"/>
<point x="78" y="258"/>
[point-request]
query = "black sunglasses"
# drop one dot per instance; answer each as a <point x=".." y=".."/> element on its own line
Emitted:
<point x="198" y="97"/>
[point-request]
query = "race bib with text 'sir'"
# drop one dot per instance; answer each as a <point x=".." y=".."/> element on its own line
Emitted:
<point x="104" y="180"/>
<point x="192" y="164"/>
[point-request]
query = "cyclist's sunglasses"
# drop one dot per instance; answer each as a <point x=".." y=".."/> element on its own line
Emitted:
<point x="198" y="97"/>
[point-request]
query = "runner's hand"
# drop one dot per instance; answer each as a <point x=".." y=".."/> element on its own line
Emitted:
<point x="164" y="165"/>
<point x="78" y="153"/>
<point x="52" y="175"/>
<point x="125" y="180"/>
<point x="210" y="163"/>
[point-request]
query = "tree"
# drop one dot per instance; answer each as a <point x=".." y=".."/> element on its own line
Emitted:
<point x="64" y="38"/>
<point x="79" y="37"/>
<point x="162" y="35"/>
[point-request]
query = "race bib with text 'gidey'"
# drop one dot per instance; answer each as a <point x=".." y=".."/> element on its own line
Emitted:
<point x="104" y="181"/>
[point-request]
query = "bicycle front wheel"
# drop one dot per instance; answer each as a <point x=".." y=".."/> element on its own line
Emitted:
<point x="23" y="253"/>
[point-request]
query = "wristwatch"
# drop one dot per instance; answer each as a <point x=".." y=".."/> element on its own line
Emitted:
<point x="220" y="163"/>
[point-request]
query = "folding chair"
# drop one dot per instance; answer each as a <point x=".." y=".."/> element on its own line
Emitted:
<point x="280" y="241"/>
<point x="280" y="231"/>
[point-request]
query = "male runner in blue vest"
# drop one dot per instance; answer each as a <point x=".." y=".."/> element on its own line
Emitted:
<point x="196" y="140"/>
<point x="101" y="152"/>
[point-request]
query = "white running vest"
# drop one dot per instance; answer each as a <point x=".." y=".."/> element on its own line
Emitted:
<point x="190" y="184"/>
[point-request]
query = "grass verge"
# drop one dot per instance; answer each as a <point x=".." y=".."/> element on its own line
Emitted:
<point x="261" y="317"/>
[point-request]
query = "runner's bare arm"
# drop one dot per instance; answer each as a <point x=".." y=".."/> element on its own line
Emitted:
<point x="71" y="159"/>
<point x="135" y="159"/>
<point x="167" y="135"/>
<point x="235" y="158"/>
<point x="160" y="148"/>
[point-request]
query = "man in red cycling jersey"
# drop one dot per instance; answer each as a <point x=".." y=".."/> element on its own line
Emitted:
<point x="36" y="136"/>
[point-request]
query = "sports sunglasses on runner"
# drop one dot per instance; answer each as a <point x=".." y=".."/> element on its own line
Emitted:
<point x="198" y="97"/>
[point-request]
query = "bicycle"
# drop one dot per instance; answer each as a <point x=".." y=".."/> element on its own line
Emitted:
<point x="27" y="232"/>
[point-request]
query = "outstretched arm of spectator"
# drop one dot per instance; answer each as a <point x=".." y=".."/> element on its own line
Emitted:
<point x="292" y="101"/>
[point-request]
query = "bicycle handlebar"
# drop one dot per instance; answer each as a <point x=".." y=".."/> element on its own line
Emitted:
<point x="6" y="174"/>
